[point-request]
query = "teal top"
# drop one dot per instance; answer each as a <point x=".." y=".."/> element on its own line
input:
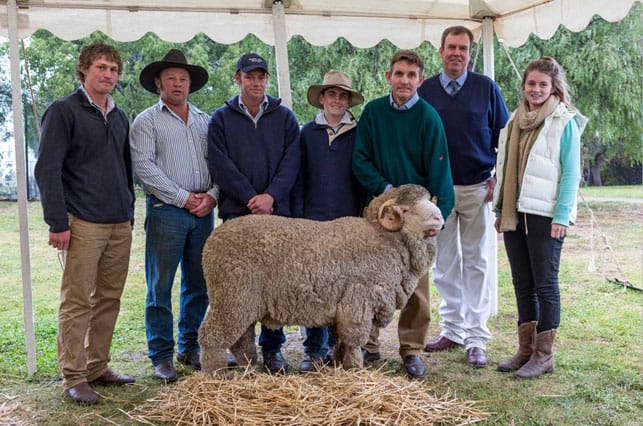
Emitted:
<point x="570" y="173"/>
<point x="396" y="147"/>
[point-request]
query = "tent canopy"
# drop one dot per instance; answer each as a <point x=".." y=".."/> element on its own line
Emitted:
<point x="364" y="23"/>
<point x="406" y="23"/>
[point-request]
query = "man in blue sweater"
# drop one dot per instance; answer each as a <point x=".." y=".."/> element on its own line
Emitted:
<point x="473" y="113"/>
<point x="253" y="156"/>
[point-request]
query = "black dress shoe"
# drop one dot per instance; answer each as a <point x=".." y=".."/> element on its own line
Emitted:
<point x="232" y="361"/>
<point x="414" y="365"/>
<point x="83" y="394"/>
<point x="312" y="363"/>
<point x="275" y="362"/>
<point x="109" y="378"/>
<point x="165" y="371"/>
<point x="370" y="357"/>
<point x="476" y="357"/>
<point x="190" y="358"/>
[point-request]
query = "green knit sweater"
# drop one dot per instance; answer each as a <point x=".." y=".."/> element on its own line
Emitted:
<point x="403" y="146"/>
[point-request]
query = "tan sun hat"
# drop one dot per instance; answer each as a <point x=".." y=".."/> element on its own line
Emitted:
<point x="334" y="79"/>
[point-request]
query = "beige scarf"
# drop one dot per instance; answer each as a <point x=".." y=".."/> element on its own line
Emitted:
<point x="525" y="128"/>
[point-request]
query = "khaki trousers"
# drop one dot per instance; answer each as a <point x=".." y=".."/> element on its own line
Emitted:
<point x="413" y="325"/>
<point x="93" y="280"/>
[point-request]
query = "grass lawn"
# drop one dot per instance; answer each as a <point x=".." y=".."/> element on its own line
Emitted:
<point x="599" y="355"/>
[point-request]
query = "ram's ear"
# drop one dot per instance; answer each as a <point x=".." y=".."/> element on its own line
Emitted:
<point x="390" y="216"/>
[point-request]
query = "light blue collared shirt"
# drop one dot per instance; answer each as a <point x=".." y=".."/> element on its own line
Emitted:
<point x="408" y="105"/>
<point x="169" y="156"/>
<point x="262" y="109"/>
<point x="444" y="81"/>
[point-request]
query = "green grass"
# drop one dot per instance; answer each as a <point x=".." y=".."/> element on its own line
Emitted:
<point x="621" y="191"/>
<point x="597" y="381"/>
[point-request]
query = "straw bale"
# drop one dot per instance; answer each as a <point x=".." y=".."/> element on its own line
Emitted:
<point x="328" y="397"/>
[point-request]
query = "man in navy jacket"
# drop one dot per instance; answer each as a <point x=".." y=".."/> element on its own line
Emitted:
<point x="254" y="156"/>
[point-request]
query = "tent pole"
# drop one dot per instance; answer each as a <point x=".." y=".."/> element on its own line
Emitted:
<point x="281" y="50"/>
<point x="19" y="137"/>
<point x="492" y="240"/>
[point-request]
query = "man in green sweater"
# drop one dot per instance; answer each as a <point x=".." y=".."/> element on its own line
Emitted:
<point x="400" y="139"/>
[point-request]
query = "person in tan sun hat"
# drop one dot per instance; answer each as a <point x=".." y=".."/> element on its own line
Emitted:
<point x="326" y="188"/>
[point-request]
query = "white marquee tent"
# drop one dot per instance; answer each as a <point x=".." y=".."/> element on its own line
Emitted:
<point x="406" y="23"/>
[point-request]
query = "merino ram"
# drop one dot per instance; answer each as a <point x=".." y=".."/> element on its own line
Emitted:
<point x="348" y="273"/>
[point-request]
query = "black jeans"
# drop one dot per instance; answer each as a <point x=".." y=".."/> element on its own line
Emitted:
<point x="534" y="257"/>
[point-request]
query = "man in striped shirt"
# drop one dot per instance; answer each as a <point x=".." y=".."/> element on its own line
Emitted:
<point x="168" y="144"/>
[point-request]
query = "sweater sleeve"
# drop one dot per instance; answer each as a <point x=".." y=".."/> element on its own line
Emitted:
<point x="223" y="170"/>
<point x="570" y="173"/>
<point x="284" y="179"/>
<point x="439" y="170"/>
<point x="500" y="115"/>
<point x="362" y="164"/>
<point x="54" y="144"/>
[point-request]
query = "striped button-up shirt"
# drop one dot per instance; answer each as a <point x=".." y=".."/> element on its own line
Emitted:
<point x="170" y="156"/>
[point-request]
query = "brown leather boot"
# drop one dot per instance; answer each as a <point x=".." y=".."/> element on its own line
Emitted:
<point x="542" y="360"/>
<point x="526" y="332"/>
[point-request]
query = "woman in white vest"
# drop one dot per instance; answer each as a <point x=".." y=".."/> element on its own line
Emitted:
<point x="538" y="170"/>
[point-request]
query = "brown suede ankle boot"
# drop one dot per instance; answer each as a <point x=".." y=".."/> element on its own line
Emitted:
<point x="526" y="332"/>
<point x="542" y="360"/>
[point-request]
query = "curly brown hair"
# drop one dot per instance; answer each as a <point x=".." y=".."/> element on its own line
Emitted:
<point x="94" y="51"/>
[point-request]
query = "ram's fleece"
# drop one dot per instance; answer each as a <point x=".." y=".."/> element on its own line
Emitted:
<point x="348" y="273"/>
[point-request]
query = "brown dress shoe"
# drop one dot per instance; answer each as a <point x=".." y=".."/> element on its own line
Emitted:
<point x="414" y="365"/>
<point x="83" y="394"/>
<point x="165" y="371"/>
<point x="440" y="344"/>
<point x="109" y="378"/>
<point x="476" y="357"/>
<point x="190" y="358"/>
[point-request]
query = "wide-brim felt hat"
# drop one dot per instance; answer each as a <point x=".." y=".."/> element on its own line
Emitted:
<point x="334" y="79"/>
<point x="173" y="59"/>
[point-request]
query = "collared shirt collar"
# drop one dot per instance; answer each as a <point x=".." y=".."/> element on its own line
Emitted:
<point x="110" y="101"/>
<point x="191" y="109"/>
<point x="262" y="108"/>
<point x="444" y="80"/>
<point x="321" y="119"/>
<point x="408" y="105"/>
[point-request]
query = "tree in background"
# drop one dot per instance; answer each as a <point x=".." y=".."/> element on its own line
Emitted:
<point x="603" y="65"/>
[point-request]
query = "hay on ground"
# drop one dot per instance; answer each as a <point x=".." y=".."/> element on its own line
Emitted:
<point x="328" y="397"/>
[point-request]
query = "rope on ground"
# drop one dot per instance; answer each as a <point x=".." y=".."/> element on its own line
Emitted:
<point x="606" y="253"/>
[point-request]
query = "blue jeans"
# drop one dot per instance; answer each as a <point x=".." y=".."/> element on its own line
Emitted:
<point x="269" y="340"/>
<point x="534" y="257"/>
<point x="318" y="341"/>
<point x="174" y="236"/>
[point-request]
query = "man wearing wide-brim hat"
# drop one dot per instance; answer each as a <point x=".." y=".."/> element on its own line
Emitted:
<point x="168" y="145"/>
<point x="326" y="188"/>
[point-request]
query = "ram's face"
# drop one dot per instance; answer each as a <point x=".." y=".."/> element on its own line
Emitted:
<point x="421" y="218"/>
<point x="424" y="218"/>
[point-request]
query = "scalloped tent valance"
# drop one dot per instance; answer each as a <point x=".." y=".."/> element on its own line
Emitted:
<point x="406" y="23"/>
